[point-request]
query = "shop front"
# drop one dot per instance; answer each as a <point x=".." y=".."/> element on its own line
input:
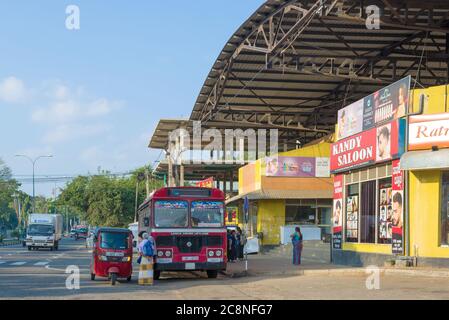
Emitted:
<point x="427" y="167"/>
<point x="290" y="189"/>
<point x="391" y="189"/>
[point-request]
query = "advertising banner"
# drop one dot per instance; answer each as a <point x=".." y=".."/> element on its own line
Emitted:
<point x="350" y="119"/>
<point x="231" y="215"/>
<point x="322" y="168"/>
<point x="207" y="183"/>
<point x="290" y="167"/>
<point x="376" y="145"/>
<point x="337" y="216"/>
<point x="397" y="244"/>
<point x="427" y="131"/>
<point x="384" y="105"/>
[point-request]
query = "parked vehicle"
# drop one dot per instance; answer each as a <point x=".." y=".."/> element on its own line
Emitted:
<point x="112" y="254"/>
<point x="44" y="231"/>
<point x="72" y="233"/>
<point x="81" y="232"/>
<point x="134" y="227"/>
<point x="188" y="226"/>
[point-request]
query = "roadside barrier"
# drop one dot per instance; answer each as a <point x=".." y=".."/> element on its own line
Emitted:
<point x="9" y="242"/>
<point x="146" y="272"/>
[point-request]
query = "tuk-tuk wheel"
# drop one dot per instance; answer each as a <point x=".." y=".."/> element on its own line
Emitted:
<point x="92" y="276"/>
<point x="128" y="279"/>
<point x="113" y="278"/>
<point x="212" y="274"/>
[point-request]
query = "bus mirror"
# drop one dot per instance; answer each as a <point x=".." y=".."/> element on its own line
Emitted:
<point x="146" y="222"/>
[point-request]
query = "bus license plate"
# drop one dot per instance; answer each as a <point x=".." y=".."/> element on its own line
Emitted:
<point x="190" y="266"/>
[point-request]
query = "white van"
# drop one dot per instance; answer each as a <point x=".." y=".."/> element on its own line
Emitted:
<point x="134" y="227"/>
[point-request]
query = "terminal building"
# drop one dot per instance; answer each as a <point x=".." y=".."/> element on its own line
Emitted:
<point x="360" y="116"/>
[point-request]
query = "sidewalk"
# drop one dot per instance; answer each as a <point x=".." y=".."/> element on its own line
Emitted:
<point x="271" y="266"/>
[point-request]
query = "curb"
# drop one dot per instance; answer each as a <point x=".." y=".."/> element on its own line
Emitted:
<point x="343" y="271"/>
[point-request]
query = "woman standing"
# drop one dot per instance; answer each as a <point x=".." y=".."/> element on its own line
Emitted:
<point x="297" y="246"/>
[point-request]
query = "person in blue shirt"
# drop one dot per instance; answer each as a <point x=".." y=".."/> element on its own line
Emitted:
<point x="297" y="246"/>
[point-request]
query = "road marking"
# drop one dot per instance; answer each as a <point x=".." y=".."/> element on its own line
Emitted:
<point x="21" y="263"/>
<point x="41" y="263"/>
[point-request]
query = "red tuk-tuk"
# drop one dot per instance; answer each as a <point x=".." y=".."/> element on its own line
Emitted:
<point x="112" y="255"/>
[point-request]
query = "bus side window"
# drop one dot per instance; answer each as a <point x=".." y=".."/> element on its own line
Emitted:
<point x="146" y="220"/>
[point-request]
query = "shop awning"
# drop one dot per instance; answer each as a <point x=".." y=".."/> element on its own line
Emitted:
<point x="274" y="194"/>
<point x="425" y="160"/>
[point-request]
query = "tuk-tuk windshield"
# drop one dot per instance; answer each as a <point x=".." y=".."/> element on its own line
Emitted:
<point x="114" y="240"/>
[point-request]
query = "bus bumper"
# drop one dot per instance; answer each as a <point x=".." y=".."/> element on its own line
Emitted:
<point x="198" y="266"/>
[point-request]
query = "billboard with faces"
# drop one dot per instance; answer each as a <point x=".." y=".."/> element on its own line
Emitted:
<point x="383" y="106"/>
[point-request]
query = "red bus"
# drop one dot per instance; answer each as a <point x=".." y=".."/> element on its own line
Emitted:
<point x="188" y="225"/>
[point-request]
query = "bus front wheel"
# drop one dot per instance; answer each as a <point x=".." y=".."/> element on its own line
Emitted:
<point x="212" y="274"/>
<point x="156" y="274"/>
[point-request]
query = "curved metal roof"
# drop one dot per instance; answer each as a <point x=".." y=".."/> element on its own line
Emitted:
<point x="294" y="63"/>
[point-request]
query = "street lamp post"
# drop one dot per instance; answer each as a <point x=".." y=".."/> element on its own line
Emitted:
<point x="33" y="162"/>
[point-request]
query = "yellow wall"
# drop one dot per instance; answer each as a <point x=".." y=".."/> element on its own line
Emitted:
<point x="436" y="99"/>
<point x="367" y="247"/>
<point x="425" y="214"/>
<point x="270" y="218"/>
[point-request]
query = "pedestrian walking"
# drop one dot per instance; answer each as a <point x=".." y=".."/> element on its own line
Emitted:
<point x="147" y="251"/>
<point x="297" y="246"/>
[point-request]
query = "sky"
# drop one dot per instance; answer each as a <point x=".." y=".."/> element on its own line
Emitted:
<point x="92" y="97"/>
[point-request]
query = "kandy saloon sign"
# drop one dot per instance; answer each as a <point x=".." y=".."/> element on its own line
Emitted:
<point x="376" y="145"/>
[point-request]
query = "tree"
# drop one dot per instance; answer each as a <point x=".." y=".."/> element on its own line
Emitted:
<point x="106" y="200"/>
<point x="8" y="187"/>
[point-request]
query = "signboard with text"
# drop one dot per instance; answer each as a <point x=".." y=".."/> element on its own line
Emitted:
<point x="427" y="131"/>
<point x="207" y="183"/>
<point x="383" y="106"/>
<point x="397" y="244"/>
<point x="376" y="145"/>
<point x="337" y="215"/>
<point x="297" y="167"/>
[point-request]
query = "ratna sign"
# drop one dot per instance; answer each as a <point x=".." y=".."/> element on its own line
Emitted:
<point x="207" y="183"/>
<point x="382" y="106"/>
<point x="397" y="244"/>
<point x="337" y="216"/>
<point x="297" y="167"/>
<point x="376" y="145"/>
<point x="427" y="131"/>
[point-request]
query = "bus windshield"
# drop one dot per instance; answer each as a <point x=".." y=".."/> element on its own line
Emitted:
<point x="171" y="214"/>
<point x="114" y="240"/>
<point x="207" y="214"/>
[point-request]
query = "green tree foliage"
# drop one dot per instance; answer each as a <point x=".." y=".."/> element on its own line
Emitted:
<point x="8" y="187"/>
<point x="106" y="200"/>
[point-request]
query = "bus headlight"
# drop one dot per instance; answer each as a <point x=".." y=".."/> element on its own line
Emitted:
<point x="211" y="253"/>
<point x="168" y="254"/>
<point x="126" y="259"/>
<point x="160" y="253"/>
<point x="218" y="253"/>
<point x="103" y="258"/>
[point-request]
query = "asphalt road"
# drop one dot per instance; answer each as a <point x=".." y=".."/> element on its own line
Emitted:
<point x="41" y="275"/>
